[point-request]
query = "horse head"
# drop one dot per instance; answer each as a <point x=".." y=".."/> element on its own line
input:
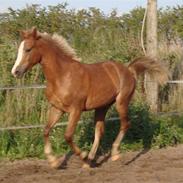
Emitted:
<point x="28" y="52"/>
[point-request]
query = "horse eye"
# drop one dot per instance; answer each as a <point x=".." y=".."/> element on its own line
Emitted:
<point x="28" y="49"/>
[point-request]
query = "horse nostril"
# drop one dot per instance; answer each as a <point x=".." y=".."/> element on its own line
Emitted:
<point x="17" y="72"/>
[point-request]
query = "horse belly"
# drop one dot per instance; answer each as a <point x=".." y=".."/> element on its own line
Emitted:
<point x="101" y="98"/>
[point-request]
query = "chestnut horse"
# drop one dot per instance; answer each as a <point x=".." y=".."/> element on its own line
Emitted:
<point x="73" y="87"/>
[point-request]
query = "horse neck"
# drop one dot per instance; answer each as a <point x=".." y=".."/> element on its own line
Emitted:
<point x="55" y="64"/>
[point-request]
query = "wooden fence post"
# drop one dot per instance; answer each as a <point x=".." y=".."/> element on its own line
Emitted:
<point x="151" y="40"/>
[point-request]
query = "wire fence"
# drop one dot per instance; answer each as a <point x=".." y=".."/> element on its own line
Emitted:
<point x="42" y="86"/>
<point x="43" y="125"/>
<point x="34" y="86"/>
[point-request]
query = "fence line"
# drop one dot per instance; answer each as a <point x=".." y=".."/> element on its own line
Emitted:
<point x="43" y="125"/>
<point x="80" y="122"/>
<point x="34" y="86"/>
<point x="42" y="86"/>
<point x="176" y="82"/>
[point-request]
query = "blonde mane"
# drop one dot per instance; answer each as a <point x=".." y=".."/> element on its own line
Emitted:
<point x="62" y="44"/>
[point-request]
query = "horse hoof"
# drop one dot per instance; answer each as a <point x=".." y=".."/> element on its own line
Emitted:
<point x="116" y="157"/>
<point x="57" y="162"/>
<point x="86" y="166"/>
<point x="83" y="155"/>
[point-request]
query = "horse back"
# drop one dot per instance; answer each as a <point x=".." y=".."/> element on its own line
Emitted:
<point x="105" y="82"/>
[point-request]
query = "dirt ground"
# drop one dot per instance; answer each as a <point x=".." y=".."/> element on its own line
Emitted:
<point x="154" y="166"/>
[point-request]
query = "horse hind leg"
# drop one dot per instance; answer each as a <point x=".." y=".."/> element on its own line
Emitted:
<point x="122" y="108"/>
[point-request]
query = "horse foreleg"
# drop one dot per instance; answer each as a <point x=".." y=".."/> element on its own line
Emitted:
<point x="99" y="131"/>
<point x="74" y="117"/>
<point x="54" y="116"/>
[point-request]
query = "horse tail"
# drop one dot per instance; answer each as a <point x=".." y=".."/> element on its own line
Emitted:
<point x="154" y="68"/>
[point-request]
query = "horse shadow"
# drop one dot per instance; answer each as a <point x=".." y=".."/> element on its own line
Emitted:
<point x="65" y="160"/>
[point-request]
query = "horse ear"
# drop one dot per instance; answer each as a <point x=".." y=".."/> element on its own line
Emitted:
<point x="22" y="34"/>
<point x="34" y="32"/>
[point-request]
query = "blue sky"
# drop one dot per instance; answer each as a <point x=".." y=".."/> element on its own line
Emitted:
<point x="105" y="5"/>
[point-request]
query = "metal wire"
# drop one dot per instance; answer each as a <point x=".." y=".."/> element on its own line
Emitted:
<point x="43" y="125"/>
<point x="113" y="119"/>
<point x="42" y="86"/>
<point x="176" y="82"/>
<point x="34" y="86"/>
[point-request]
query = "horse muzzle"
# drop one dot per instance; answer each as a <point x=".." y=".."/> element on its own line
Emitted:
<point x="18" y="72"/>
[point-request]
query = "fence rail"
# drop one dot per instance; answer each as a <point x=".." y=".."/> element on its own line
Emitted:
<point x="42" y="86"/>
<point x="43" y="125"/>
<point x="34" y="86"/>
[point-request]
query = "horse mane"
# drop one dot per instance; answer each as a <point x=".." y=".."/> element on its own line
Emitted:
<point x="62" y="44"/>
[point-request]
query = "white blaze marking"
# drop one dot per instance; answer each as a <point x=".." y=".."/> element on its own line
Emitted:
<point x="19" y="57"/>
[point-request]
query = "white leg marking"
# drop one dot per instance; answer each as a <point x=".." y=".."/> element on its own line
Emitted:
<point x="48" y="149"/>
<point x="19" y="57"/>
<point x="116" y="143"/>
